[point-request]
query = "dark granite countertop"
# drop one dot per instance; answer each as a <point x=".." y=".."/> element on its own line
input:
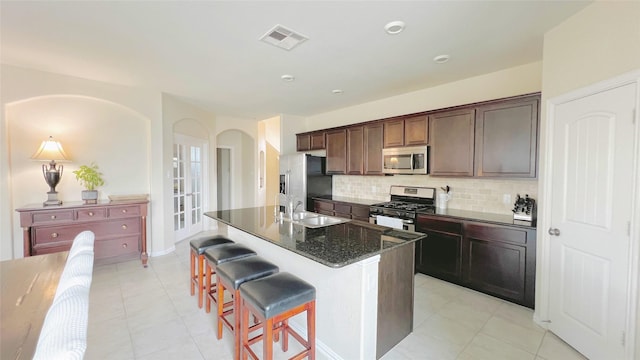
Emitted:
<point x="334" y="246"/>
<point x="500" y="219"/>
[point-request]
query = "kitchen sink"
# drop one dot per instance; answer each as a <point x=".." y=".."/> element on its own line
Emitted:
<point x="304" y="215"/>
<point x="314" y="220"/>
<point x="320" y="221"/>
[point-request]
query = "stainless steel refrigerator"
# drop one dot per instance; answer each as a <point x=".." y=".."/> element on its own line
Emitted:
<point x="302" y="177"/>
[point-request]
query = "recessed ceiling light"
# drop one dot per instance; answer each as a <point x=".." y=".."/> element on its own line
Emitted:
<point x="394" y="27"/>
<point x="441" y="59"/>
<point x="287" y="78"/>
<point x="337" y="91"/>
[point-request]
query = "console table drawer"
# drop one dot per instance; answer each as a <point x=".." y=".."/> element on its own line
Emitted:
<point x="124" y="211"/>
<point x="116" y="247"/>
<point x="52" y="216"/>
<point x="51" y="234"/>
<point x="91" y="214"/>
<point x="116" y="228"/>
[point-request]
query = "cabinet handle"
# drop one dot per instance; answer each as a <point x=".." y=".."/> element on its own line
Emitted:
<point x="53" y="217"/>
<point x="124" y="246"/>
<point x="54" y="235"/>
<point x="124" y="211"/>
<point x="90" y="213"/>
<point x="124" y="226"/>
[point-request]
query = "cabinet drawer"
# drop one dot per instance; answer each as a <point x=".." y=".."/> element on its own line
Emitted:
<point x="496" y="233"/>
<point x="427" y="223"/>
<point x="116" y="228"/>
<point x="43" y="217"/>
<point x="342" y="208"/>
<point x="51" y="248"/>
<point x="91" y="214"/>
<point x="124" y="211"/>
<point x="53" y="234"/>
<point x="360" y="212"/>
<point x="342" y="215"/>
<point x="323" y="205"/>
<point x="116" y="247"/>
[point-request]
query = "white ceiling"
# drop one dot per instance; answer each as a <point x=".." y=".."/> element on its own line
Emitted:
<point x="208" y="52"/>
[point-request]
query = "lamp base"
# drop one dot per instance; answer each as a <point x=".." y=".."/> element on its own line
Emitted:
<point x="52" y="199"/>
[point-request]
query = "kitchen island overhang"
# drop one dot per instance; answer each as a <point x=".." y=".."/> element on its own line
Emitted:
<point x="363" y="274"/>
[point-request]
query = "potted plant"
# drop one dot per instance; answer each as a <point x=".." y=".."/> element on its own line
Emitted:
<point x="90" y="178"/>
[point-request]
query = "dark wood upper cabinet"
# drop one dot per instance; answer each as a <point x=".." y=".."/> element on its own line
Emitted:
<point x="336" y="151"/>
<point x="452" y="142"/>
<point x="373" y="135"/>
<point x="394" y="133"/>
<point x="318" y="140"/>
<point x="416" y="131"/>
<point x="303" y="142"/>
<point x="507" y="139"/>
<point x="310" y="141"/>
<point x="355" y="150"/>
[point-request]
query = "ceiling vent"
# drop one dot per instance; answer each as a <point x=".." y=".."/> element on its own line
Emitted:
<point x="283" y="38"/>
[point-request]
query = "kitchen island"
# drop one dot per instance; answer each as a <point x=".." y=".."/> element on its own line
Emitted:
<point x="363" y="275"/>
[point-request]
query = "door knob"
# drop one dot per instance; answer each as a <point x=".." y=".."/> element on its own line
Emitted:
<point x="554" y="232"/>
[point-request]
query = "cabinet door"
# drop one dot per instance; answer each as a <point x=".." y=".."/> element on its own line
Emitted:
<point x="317" y="140"/>
<point x="451" y="138"/>
<point x="355" y="150"/>
<point x="373" y="135"/>
<point x="359" y="212"/>
<point x="394" y="133"/>
<point x="303" y="142"/>
<point x="500" y="261"/>
<point x="507" y="139"/>
<point x="416" y="131"/>
<point x="336" y="151"/>
<point x="440" y="254"/>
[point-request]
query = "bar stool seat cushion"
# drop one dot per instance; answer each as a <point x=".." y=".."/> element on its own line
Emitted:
<point x="275" y="294"/>
<point x="246" y="269"/>
<point x="199" y="245"/>
<point x="222" y="254"/>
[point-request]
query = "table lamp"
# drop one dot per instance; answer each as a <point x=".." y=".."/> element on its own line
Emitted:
<point x="51" y="150"/>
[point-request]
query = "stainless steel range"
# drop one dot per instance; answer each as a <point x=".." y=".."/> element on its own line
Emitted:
<point x="400" y="212"/>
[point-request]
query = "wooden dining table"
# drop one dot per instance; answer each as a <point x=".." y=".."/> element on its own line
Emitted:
<point x="28" y="287"/>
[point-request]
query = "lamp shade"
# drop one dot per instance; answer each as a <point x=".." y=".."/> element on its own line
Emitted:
<point x="50" y="150"/>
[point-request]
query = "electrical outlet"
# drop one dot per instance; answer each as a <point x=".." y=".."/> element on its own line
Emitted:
<point x="506" y="198"/>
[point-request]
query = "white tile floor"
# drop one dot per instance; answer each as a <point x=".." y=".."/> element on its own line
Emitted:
<point x="138" y="313"/>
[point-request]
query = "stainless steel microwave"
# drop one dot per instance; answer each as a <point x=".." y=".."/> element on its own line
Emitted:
<point x="406" y="160"/>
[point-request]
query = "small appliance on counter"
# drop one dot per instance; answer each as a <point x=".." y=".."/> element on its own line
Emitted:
<point x="524" y="211"/>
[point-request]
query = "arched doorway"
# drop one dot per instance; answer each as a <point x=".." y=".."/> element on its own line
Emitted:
<point x="236" y="170"/>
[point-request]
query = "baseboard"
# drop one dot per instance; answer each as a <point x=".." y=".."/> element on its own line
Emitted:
<point x="320" y="346"/>
<point x="163" y="252"/>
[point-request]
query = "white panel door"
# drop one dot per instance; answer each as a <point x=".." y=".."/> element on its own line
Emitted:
<point x="592" y="164"/>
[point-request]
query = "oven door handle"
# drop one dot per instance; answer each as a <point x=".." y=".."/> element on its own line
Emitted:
<point x="407" y="221"/>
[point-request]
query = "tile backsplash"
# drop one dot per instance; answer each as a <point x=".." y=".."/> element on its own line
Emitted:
<point x="486" y="195"/>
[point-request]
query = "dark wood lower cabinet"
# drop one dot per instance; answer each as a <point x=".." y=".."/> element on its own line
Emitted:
<point x="494" y="259"/>
<point x="440" y="255"/>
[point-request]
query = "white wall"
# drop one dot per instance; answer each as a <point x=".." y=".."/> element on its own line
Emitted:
<point x="597" y="43"/>
<point x="509" y="82"/>
<point x="36" y="103"/>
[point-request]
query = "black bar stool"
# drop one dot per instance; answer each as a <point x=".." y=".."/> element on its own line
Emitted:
<point x="198" y="246"/>
<point x="273" y="300"/>
<point x="231" y="275"/>
<point x="216" y="256"/>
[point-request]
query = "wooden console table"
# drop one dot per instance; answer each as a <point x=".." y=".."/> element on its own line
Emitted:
<point x="120" y="228"/>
